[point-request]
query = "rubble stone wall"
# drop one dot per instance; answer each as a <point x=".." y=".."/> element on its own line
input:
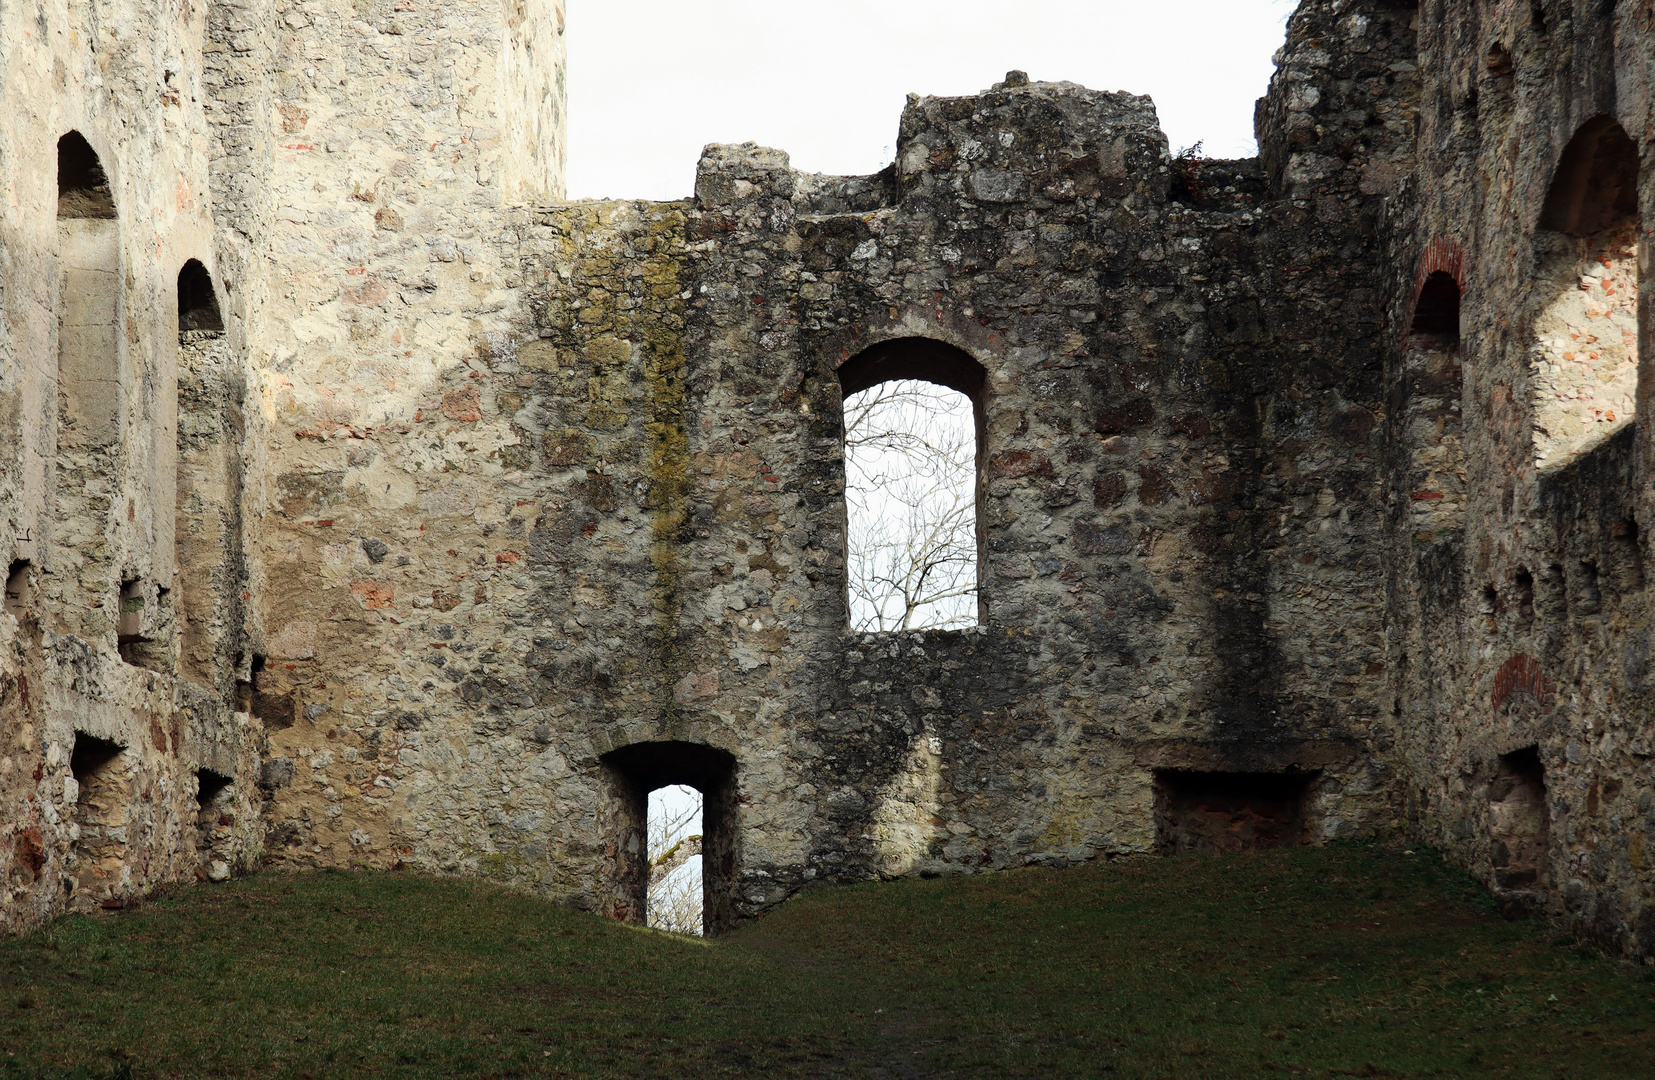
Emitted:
<point x="1521" y="618"/>
<point x="481" y="513"/>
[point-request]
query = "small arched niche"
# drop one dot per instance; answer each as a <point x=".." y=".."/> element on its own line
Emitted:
<point x="1437" y="312"/>
<point x="1584" y="360"/>
<point x="197" y="300"/>
<point x="914" y="427"/>
<point x="632" y="774"/>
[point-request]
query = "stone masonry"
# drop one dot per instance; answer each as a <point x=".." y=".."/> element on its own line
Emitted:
<point x="369" y="505"/>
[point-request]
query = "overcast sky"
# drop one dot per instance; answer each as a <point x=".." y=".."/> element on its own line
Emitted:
<point x="651" y="82"/>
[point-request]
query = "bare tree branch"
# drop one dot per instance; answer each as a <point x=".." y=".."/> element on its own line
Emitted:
<point x="910" y="472"/>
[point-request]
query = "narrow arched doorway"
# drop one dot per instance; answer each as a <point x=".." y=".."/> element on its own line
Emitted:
<point x="633" y="773"/>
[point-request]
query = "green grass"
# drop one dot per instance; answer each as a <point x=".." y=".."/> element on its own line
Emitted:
<point x="1334" y="962"/>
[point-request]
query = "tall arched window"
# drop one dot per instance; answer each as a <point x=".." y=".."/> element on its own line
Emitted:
<point x="913" y="452"/>
<point x="1584" y="363"/>
<point x="89" y="308"/>
<point x="207" y="518"/>
<point x="1429" y="407"/>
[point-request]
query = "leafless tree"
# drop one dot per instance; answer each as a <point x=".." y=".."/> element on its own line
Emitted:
<point x="910" y="473"/>
<point x="674" y="902"/>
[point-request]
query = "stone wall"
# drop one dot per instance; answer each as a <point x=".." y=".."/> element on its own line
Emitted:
<point x="1308" y="506"/>
<point x="619" y="521"/>
<point x="1521" y="612"/>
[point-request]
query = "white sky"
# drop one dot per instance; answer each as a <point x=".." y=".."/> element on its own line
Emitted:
<point x="651" y="82"/>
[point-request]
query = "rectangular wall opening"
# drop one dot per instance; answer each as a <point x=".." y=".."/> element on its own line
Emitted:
<point x="136" y="625"/>
<point x="102" y="791"/>
<point x="18" y="579"/>
<point x="1519" y="823"/>
<point x="1229" y="811"/>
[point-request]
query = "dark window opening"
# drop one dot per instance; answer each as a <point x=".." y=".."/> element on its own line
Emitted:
<point x="914" y="427"/>
<point x="102" y="789"/>
<point x="1500" y="63"/>
<point x="1437" y="311"/>
<point x="1519" y="822"/>
<point x="1537" y="16"/>
<point x="197" y="300"/>
<point x="633" y="773"/>
<point x="1491" y="600"/>
<point x="1220" y="811"/>
<point x="18" y="579"/>
<point x="1525" y="595"/>
<point x="272" y="700"/>
<point x="82" y="186"/>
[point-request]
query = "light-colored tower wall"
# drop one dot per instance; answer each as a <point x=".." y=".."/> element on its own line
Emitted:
<point x="89" y="358"/>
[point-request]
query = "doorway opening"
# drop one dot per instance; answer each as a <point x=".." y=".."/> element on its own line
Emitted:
<point x="913" y="428"/>
<point x="1519" y="823"/>
<point x="674" y="903"/>
<point x="102" y="790"/>
<point x="671" y="816"/>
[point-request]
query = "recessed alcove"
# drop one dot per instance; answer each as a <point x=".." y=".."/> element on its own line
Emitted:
<point x="102" y="792"/>
<point x="1519" y="822"/>
<point x="1230" y="811"/>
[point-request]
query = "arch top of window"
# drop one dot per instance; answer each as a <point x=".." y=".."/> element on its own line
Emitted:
<point x="83" y="189"/>
<point x="1595" y="186"/>
<point x="1437" y="310"/>
<point x="924" y="359"/>
<point x="197" y="300"/>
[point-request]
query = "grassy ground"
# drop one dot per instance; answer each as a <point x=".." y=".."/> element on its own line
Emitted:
<point x="1334" y="962"/>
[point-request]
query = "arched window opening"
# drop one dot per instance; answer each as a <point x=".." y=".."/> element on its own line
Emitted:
<point x="913" y="429"/>
<point x="1585" y="356"/>
<point x="675" y="902"/>
<point x="89" y="304"/>
<point x="671" y="819"/>
<point x="82" y="186"/>
<point x="197" y="301"/>
<point x="1429" y="407"/>
<point x="1437" y="311"/>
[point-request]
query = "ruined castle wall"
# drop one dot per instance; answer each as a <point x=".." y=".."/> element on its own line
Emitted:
<point x="612" y="513"/>
<point x="1522" y="613"/>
